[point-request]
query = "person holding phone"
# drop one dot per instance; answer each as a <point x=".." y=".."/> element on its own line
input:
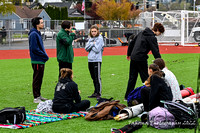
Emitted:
<point x="65" y="53"/>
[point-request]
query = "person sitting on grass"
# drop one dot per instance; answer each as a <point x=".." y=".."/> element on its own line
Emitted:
<point x="157" y="89"/>
<point x="170" y="79"/>
<point x="66" y="92"/>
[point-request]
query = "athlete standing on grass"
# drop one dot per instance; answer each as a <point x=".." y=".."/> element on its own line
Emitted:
<point x="138" y="51"/>
<point x="38" y="57"/>
<point x="95" y="48"/>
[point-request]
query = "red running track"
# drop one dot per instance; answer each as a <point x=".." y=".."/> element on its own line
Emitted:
<point x="118" y="50"/>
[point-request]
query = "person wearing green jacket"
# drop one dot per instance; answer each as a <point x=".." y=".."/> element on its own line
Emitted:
<point x="65" y="53"/>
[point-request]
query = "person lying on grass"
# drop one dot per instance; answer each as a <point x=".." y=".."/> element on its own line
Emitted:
<point x="66" y="92"/>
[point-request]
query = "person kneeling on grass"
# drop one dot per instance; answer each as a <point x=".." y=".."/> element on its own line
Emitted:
<point x="66" y="92"/>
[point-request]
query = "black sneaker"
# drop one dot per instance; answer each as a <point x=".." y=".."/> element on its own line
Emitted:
<point x="98" y="97"/>
<point x="128" y="128"/>
<point x="94" y="95"/>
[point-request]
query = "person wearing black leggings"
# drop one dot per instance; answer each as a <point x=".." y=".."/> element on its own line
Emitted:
<point x="95" y="48"/>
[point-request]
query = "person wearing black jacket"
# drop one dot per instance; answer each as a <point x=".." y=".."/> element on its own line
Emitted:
<point x="156" y="89"/>
<point x="66" y="92"/>
<point x="137" y="52"/>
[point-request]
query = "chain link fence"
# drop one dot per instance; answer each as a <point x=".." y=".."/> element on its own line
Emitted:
<point x="14" y="34"/>
<point x="181" y="27"/>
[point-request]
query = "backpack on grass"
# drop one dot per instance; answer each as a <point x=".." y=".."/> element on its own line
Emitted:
<point x="12" y="115"/>
<point x="134" y="97"/>
<point x="161" y="118"/>
<point x="184" y="113"/>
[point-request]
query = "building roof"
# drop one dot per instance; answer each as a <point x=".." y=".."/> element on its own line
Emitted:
<point x="34" y="5"/>
<point x="76" y="13"/>
<point x="25" y="12"/>
<point x="59" y="4"/>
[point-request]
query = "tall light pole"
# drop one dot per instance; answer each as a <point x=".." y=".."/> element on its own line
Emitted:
<point x="194" y="5"/>
<point x="144" y="3"/>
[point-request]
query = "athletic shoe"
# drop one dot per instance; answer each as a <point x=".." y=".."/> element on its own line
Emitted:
<point x="128" y="128"/>
<point x="144" y="117"/>
<point x="94" y="95"/>
<point x="134" y="102"/>
<point x="42" y="98"/>
<point x="98" y="97"/>
<point x="37" y="100"/>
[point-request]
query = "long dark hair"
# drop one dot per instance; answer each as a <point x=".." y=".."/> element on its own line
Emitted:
<point x="154" y="67"/>
<point x="160" y="62"/>
<point x="156" y="71"/>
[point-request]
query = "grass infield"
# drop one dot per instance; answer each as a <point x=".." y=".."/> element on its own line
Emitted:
<point x="16" y="90"/>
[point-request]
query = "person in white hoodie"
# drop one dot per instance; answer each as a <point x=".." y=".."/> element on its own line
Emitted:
<point x="170" y="79"/>
<point x="95" y="48"/>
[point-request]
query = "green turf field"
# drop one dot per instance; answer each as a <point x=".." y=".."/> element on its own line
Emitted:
<point x="16" y="90"/>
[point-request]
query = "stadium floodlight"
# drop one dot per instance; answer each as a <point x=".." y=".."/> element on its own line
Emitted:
<point x="157" y="4"/>
<point x="137" y="5"/>
<point x="147" y="4"/>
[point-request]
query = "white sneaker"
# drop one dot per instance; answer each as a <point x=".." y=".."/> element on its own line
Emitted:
<point x="37" y="100"/>
<point x="42" y="98"/>
<point x="143" y="113"/>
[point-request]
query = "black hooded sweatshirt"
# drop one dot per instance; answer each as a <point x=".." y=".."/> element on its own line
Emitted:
<point x="159" y="91"/>
<point x="66" y="91"/>
<point x="140" y="46"/>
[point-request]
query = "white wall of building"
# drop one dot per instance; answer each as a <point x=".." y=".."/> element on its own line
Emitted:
<point x="44" y="1"/>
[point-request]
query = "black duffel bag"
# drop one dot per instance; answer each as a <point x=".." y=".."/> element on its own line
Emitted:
<point x="12" y="115"/>
<point x="185" y="114"/>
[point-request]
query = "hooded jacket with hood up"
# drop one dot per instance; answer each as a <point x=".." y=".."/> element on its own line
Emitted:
<point x="36" y="47"/>
<point x="140" y="46"/>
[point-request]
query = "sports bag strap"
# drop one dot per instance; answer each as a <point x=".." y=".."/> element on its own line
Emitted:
<point x="165" y="114"/>
<point x="189" y="109"/>
<point x="8" y="109"/>
<point x="177" y="105"/>
<point x="187" y="90"/>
